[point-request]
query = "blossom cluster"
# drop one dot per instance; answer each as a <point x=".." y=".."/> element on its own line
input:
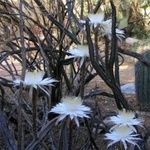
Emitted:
<point x="69" y="106"/>
<point x="124" y="129"/>
<point x="97" y="20"/>
<point x="124" y="123"/>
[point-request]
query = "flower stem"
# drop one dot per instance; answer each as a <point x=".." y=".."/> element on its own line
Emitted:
<point x="34" y="111"/>
<point x="70" y="135"/>
<point x="90" y="135"/>
<point x="82" y="78"/>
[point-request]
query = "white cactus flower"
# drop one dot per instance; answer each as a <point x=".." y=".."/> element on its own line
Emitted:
<point x="96" y="19"/>
<point x="106" y="30"/>
<point x="79" y="51"/>
<point x="126" y="118"/>
<point x="35" y="79"/>
<point x="123" y="134"/>
<point x="105" y="26"/>
<point x="71" y="107"/>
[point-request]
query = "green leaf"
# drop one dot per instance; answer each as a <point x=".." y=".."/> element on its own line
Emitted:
<point x="123" y="23"/>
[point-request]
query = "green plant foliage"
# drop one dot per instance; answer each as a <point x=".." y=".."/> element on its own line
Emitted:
<point x="134" y="15"/>
<point x="123" y="23"/>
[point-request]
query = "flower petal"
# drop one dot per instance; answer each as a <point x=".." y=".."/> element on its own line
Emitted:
<point x="72" y="107"/>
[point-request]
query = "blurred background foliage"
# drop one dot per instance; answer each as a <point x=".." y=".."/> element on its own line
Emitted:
<point x="133" y="15"/>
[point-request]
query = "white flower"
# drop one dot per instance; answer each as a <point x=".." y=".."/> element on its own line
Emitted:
<point x="126" y="118"/>
<point x="35" y="79"/>
<point x="105" y="26"/>
<point x="79" y="51"/>
<point x="106" y="30"/>
<point x="96" y="18"/>
<point x="123" y="134"/>
<point x="71" y="107"/>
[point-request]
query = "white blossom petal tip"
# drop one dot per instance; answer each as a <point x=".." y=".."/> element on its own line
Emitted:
<point x="82" y="21"/>
<point x="71" y="107"/>
<point x="79" y="51"/>
<point x="123" y="134"/>
<point x="48" y="81"/>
